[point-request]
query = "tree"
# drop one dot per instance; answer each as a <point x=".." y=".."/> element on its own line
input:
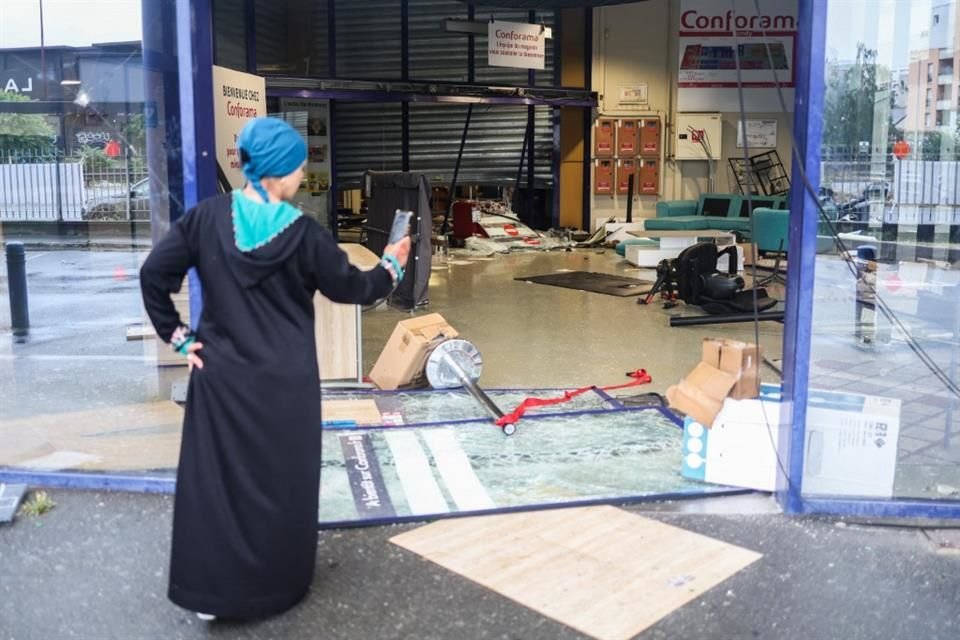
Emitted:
<point x="19" y="131"/>
<point x="850" y="101"/>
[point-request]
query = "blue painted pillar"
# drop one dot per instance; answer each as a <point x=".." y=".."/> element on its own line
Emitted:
<point x="797" y="333"/>
<point x="195" y="58"/>
<point x="162" y="113"/>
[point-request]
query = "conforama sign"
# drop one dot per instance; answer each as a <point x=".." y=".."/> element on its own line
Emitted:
<point x="728" y="22"/>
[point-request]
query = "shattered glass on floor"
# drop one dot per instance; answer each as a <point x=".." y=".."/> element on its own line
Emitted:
<point x="422" y="407"/>
<point x="384" y="475"/>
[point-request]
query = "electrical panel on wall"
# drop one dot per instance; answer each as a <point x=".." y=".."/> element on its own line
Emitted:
<point x="603" y="138"/>
<point x="626" y="168"/>
<point x="649" y="172"/>
<point x="628" y="138"/>
<point x="650" y="137"/>
<point x="698" y="136"/>
<point x="603" y="177"/>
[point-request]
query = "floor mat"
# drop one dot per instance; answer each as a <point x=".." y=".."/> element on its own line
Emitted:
<point x="594" y="282"/>
<point x="608" y="573"/>
<point x="401" y="473"/>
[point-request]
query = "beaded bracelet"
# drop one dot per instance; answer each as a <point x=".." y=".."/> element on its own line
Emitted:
<point x="395" y="264"/>
<point x="181" y="339"/>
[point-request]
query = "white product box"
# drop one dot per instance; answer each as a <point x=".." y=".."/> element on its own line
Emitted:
<point x="740" y="449"/>
<point x="851" y="444"/>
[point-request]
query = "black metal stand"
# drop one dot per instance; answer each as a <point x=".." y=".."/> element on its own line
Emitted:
<point x="665" y="285"/>
<point x="776" y="276"/>
<point x="725" y="318"/>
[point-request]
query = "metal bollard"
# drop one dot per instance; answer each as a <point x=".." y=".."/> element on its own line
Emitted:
<point x="17" y="284"/>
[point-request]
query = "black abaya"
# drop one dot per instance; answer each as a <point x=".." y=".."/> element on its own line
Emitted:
<point x="245" y="514"/>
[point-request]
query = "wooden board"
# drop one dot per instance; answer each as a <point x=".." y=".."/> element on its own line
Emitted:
<point x="337" y="326"/>
<point x="601" y="570"/>
<point x="362" y="412"/>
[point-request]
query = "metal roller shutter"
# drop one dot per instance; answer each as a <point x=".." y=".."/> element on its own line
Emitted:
<point x="368" y="137"/>
<point x="436" y="54"/>
<point x="368" y="39"/>
<point x="319" y="65"/>
<point x="230" y="43"/>
<point x="494" y="142"/>
<point x="272" y="34"/>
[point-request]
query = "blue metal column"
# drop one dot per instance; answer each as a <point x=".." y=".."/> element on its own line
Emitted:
<point x="807" y="129"/>
<point x="195" y="59"/>
<point x="163" y="90"/>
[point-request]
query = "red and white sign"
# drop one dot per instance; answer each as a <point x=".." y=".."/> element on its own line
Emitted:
<point x="516" y="44"/>
<point x="714" y="37"/>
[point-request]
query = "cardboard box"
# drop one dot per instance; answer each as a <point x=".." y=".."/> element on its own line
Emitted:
<point x="740" y="450"/>
<point x="748" y="253"/>
<point x="742" y="359"/>
<point x="701" y="394"/>
<point x="406" y="351"/>
<point x="851" y="444"/>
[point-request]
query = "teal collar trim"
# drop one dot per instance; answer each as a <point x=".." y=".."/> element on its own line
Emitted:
<point x="257" y="223"/>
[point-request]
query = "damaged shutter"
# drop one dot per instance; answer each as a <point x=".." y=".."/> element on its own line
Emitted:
<point x="368" y="137"/>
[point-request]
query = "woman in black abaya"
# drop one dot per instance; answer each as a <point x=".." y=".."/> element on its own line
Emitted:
<point x="245" y="514"/>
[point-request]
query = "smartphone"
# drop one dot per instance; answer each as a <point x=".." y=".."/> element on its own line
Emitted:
<point x="401" y="226"/>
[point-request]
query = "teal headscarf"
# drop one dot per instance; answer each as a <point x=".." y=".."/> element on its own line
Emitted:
<point x="268" y="148"/>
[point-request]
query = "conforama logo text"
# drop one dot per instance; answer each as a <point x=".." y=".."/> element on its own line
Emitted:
<point x="729" y="22"/>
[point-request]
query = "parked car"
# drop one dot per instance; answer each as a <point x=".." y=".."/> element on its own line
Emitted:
<point x="108" y="203"/>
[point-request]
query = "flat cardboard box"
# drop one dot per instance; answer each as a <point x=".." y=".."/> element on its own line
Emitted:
<point x="852" y="443"/>
<point x="404" y="355"/>
<point x="702" y="392"/>
<point x="739" y="358"/>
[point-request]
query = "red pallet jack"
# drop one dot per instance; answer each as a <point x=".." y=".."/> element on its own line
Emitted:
<point x="509" y="421"/>
<point x="454" y="363"/>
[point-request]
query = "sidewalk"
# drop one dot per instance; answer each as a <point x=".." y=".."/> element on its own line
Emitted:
<point x="90" y="236"/>
<point x="96" y="567"/>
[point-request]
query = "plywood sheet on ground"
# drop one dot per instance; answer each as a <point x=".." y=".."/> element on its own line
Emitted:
<point x="603" y="571"/>
<point x="131" y="437"/>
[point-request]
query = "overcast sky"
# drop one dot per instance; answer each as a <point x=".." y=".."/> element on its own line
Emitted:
<point x="68" y="22"/>
<point x="880" y="25"/>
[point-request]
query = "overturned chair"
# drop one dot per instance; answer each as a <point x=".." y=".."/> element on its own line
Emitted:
<point x="693" y="278"/>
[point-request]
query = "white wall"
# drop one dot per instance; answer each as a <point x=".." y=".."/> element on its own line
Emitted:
<point x="639" y="42"/>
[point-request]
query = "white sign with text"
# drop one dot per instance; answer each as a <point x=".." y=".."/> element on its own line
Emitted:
<point x="237" y="98"/>
<point x="516" y="44"/>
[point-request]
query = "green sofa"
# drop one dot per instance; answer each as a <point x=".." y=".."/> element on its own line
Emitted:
<point x="719" y="211"/>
